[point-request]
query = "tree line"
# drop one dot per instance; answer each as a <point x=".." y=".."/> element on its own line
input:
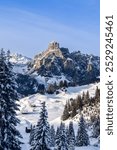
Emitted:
<point x="44" y="137"/>
<point x="51" y="88"/>
<point x="73" y="106"/>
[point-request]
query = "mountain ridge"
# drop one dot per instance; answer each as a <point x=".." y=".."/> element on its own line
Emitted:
<point x="52" y="66"/>
<point x="57" y="61"/>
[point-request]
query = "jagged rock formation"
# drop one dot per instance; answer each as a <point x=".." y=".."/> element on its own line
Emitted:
<point x="53" y="49"/>
<point x="54" y="64"/>
<point x="56" y="61"/>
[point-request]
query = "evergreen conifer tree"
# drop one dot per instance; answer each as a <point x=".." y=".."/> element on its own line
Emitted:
<point x="61" y="84"/>
<point x="57" y="137"/>
<point x="96" y="127"/>
<point x="32" y="133"/>
<point x="83" y="98"/>
<point x="41" y="139"/>
<point x="97" y="95"/>
<point x="87" y="97"/>
<point x="79" y="102"/>
<point x="65" y="112"/>
<point x="2" y="101"/>
<point x="50" y="89"/>
<point x="8" y="97"/>
<point x="67" y="135"/>
<point x="82" y="138"/>
<point x="71" y="136"/>
<point x="52" y="134"/>
<point x="62" y="144"/>
<point x="65" y="83"/>
<point x="73" y="108"/>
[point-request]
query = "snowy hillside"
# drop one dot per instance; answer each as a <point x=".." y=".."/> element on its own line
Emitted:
<point x="19" y="59"/>
<point x="30" y="107"/>
<point x="19" y="62"/>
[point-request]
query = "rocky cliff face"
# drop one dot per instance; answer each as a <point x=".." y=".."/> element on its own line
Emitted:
<point x="76" y="67"/>
<point x="43" y="58"/>
<point x="52" y="66"/>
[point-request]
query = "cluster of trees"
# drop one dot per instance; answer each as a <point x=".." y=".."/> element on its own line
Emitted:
<point x="54" y="87"/>
<point x="96" y="126"/>
<point x="43" y="137"/>
<point x="9" y="135"/>
<point x="73" y="106"/>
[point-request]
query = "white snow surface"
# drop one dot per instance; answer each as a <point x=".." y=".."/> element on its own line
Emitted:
<point x="22" y="69"/>
<point x="30" y="107"/>
<point x="49" y="80"/>
<point x="19" y="59"/>
<point x="19" y="63"/>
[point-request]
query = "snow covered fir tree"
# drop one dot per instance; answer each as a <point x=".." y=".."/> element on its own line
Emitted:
<point x="52" y="135"/>
<point x="61" y="143"/>
<point x="71" y="136"/>
<point x="82" y="138"/>
<point x="9" y="135"/>
<point x="41" y="133"/>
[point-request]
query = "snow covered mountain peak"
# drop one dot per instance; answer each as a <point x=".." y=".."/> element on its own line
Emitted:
<point x="19" y="62"/>
<point x="53" y="67"/>
<point x="51" y="52"/>
<point x="19" y="59"/>
<point x="57" y="61"/>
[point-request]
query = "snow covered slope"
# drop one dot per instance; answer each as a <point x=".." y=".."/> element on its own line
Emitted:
<point x="19" y="63"/>
<point x="55" y="103"/>
<point x="19" y="59"/>
<point x="30" y="107"/>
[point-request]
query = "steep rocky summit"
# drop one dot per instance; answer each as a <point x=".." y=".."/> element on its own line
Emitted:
<point x="78" y="68"/>
<point x="55" y="66"/>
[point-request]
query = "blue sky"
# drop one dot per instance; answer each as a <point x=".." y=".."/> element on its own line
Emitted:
<point x="27" y="26"/>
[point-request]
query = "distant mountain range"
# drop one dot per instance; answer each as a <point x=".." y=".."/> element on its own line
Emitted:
<point x="52" y="66"/>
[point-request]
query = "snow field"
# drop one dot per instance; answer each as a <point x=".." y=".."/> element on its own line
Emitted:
<point x="30" y="107"/>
